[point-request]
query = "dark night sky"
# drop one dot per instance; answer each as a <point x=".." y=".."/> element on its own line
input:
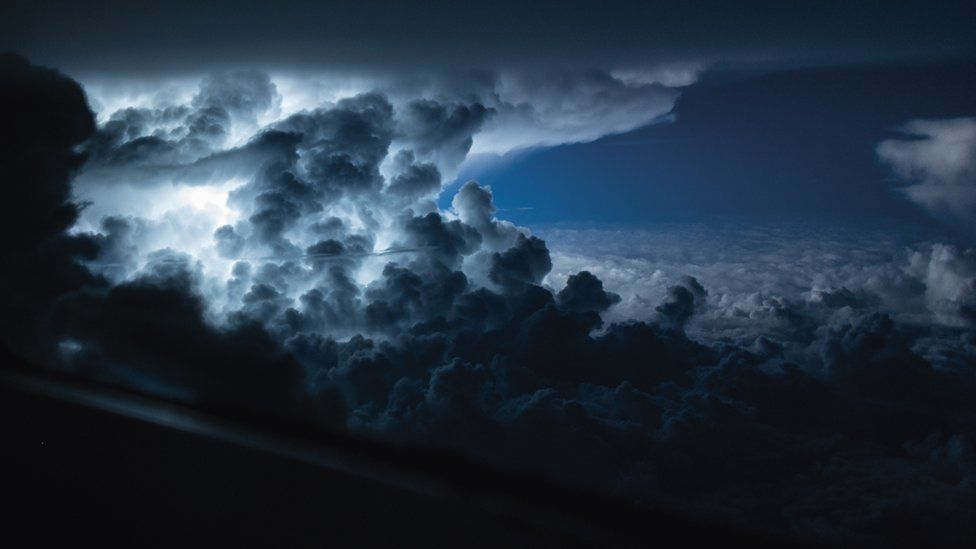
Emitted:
<point x="121" y="36"/>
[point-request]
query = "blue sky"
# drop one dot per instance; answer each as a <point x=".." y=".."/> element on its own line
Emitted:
<point x="795" y="143"/>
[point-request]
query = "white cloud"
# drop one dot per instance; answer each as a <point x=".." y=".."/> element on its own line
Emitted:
<point x="553" y="109"/>
<point x="755" y="272"/>
<point x="939" y="158"/>
<point x="673" y="76"/>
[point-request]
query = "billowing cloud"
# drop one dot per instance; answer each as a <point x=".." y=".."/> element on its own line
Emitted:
<point x="763" y="380"/>
<point x="938" y="159"/>
<point x="440" y="118"/>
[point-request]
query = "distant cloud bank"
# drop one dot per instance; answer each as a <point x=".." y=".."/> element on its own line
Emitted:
<point x="938" y="160"/>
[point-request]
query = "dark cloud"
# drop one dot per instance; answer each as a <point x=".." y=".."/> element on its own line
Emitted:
<point x="155" y="326"/>
<point x="526" y="262"/>
<point x="414" y="180"/>
<point x="584" y="292"/>
<point x="448" y="241"/>
<point x="344" y="146"/>
<point x="440" y="132"/>
<point x="45" y="118"/>
<point x="681" y="301"/>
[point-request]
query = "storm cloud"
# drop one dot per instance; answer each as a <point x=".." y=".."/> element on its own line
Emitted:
<point x="306" y="272"/>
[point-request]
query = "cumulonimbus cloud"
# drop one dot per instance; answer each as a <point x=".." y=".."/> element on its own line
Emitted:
<point x="250" y="275"/>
